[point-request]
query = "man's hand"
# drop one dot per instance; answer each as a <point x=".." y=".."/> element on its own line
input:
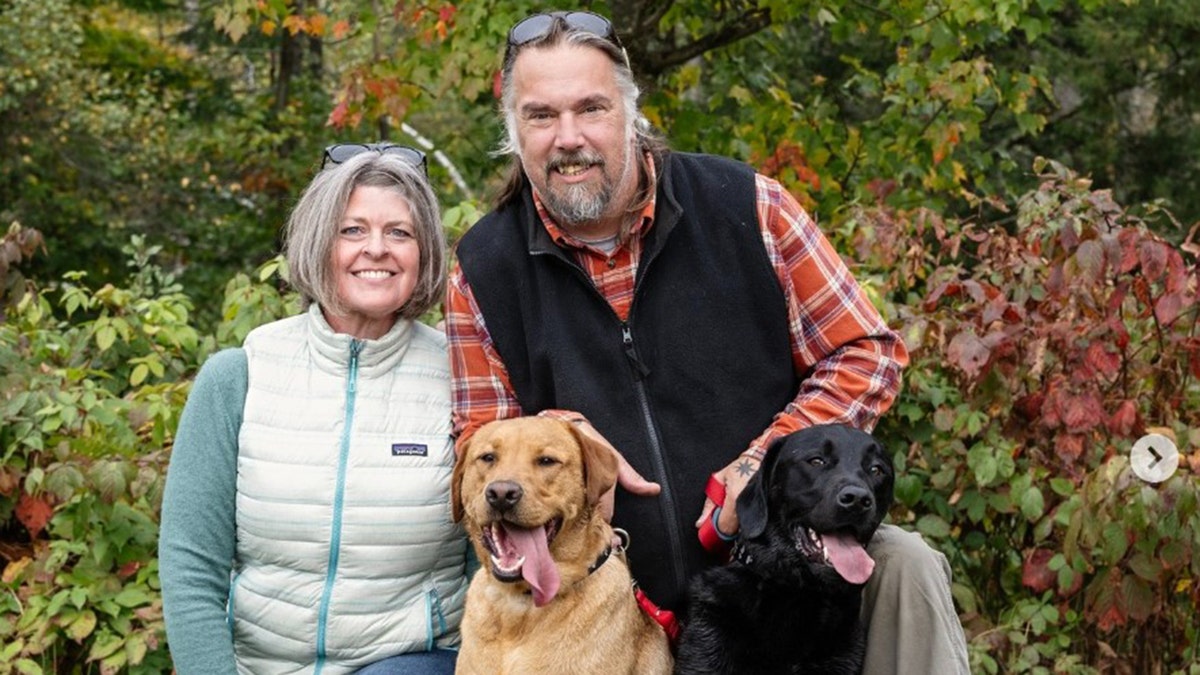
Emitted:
<point x="627" y="476"/>
<point x="734" y="477"/>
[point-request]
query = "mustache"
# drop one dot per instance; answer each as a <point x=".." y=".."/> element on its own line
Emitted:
<point x="581" y="157"/>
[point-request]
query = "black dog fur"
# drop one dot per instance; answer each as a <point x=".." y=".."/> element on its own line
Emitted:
<point x="774" y="608"/>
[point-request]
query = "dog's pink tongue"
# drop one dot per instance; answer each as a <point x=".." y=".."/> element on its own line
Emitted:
<point x="539" y="570"/>
<point x="849" y="558"/>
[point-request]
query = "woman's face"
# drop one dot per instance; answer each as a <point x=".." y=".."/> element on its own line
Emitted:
<point x="376" y="261"/>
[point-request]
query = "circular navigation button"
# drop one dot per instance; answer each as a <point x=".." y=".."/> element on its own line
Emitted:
<point x="1154" y="458"/>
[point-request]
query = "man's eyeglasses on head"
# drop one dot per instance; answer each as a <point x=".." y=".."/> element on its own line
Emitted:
<point x="341" y="152"/>
<point x="539" y="25"/>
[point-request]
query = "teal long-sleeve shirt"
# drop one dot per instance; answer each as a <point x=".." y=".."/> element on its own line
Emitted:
<point x="197" y="537"/>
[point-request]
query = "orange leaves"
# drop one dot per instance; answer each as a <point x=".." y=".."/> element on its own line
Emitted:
<point x="1125" y="422"/>
<point x="1102" y="359"/>
<point x="315" y="24"/>
<point x="789" y="156"/>
<point x="968" y="353"/>
<point x="1115" y="598"/>
<point x="432" y="22"/>
<point x="338" y="116"/>
<point x="1036" y="574"/>
<point x="34" y="513"/>
<point x="946" y="140"/>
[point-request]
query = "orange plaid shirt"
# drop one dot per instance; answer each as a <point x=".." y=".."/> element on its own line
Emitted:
<point x="848" y="360"/>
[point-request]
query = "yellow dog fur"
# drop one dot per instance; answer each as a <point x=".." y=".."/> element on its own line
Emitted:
<point x="593" y="623"/>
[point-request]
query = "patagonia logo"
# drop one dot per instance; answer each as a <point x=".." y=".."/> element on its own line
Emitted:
<point x="410" y="450"/>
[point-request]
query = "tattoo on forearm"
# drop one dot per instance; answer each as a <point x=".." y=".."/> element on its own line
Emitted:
<point x="745" y="468"/>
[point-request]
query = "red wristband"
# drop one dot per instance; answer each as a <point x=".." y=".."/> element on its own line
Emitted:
<point x="710" y="538"/>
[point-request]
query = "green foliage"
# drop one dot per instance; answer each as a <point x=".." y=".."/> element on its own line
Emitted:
<point x="92" y="383"/>
<point x="1040" y="352"/>
<point x="107" y="131"/>
<point x="138" y="138"/>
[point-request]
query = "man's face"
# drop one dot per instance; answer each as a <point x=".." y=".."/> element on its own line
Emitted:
<point x="573" y="136"/>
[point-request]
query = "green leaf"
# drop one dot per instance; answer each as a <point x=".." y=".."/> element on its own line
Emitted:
<point x="28" y="667"/>
<point x="1033" y="505"/>
<point x="908" y="489"/>
<point x="1062" y="487"/>
<point x="82" y="626"/>
<point x="106" y="335"/>
<point x="10" y="650"/>
<point x="132" y="596"/>
<point x="934" y="527"/>
<point x="109" y="479"/>
<point x="1140" y="600"/>
<point x="135" y="648"/>
<point x="983" y="462"/>
<point x="1115" y="543"/>
<point x="56" y="603"/>
<point x="1146" y="567"/>
<point x="104" y="645"/>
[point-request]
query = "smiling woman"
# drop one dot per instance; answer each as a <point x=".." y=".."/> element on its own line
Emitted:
<point x="306" y="523"/>
<point x="357" y="216"/>
<point x="376" y="260"/>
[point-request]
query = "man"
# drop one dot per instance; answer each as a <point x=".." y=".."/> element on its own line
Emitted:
<point x="681" y="306"/>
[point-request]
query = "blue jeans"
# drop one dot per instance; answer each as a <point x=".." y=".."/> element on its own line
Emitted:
<point x="436" y="662"/>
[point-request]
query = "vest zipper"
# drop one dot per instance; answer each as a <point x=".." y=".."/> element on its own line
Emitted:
<point x="433" y="609"/>
<point x="640" y="371"/>
<point x="335" y="539"/>
<point x="229" y="610"/>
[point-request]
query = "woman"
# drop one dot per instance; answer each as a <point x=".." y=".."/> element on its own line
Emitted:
<point x="306" y="526"/>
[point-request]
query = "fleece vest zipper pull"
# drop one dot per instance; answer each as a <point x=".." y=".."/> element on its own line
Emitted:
<point x="640" y="371"/>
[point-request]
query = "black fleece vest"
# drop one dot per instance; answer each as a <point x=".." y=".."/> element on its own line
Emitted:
<point x="698" y="371"/>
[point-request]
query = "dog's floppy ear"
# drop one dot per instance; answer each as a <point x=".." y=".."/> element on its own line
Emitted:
<point x="888" y="494"/>
<point x="752" y="502"/>
<point x="599" y="465"/>
<point x="460" y="463"/>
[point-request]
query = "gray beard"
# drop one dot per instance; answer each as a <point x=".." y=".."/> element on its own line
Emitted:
<point x="577" y="205"/>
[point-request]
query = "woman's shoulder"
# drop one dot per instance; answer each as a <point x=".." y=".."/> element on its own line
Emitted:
<point x="428" y="337"/>
<point x="291" y="325"/>
<point x="224" y="368"/>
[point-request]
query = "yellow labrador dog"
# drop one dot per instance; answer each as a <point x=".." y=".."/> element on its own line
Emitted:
<point x="551" y="595"/>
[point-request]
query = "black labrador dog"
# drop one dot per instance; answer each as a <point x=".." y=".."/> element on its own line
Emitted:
<point x="789" y="600"/>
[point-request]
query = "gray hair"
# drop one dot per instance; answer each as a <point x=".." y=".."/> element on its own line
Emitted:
<point x="313" y="225"/>
<point x="648" y="139"/>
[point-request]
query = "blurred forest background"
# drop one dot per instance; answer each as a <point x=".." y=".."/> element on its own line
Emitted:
<point x="1013" y="180"/>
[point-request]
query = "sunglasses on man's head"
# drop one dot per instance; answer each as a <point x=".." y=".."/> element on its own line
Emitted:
<point x="539" y="26"/>
<point x="341" y="152"/>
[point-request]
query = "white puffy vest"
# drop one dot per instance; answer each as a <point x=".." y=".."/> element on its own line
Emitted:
<point x="346" y="551"/>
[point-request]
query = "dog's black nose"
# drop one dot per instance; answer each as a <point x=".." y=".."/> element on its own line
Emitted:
<point x="855" y="498"/>
<point x="502" y="495"/>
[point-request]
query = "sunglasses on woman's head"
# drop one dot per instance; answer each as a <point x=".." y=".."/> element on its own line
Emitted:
<point x="539" y="26"/>
<point x="341" y="152"/>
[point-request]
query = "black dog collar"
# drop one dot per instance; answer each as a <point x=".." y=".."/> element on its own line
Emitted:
<point x="608" y="550"/>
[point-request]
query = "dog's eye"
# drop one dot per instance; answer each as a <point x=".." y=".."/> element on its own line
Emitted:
<point x="817" y="461"/>
<point x="876" y="469"/>
<point x="487" y="457"/>
<point x="546" y="461"/>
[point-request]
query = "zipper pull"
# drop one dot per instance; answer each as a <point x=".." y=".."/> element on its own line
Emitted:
<point x="640" y="371"/>
<point x="355" y="347"/>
